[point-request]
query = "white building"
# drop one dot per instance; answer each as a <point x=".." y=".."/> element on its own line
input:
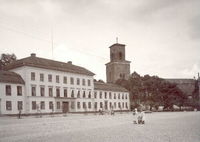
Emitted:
<point x="37" y="85"/>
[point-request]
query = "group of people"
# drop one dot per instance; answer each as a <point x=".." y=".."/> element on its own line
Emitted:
<point x="138" y="116"/>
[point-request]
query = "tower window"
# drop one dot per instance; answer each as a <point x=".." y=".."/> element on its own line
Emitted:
<point x="112" y="56"/>
<point x="120" y="55"/>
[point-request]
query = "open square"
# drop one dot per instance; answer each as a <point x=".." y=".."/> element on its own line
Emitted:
<point x="159" y="127"/>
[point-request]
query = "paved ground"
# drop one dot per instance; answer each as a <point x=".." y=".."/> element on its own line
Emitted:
<point x="160" y="127"/>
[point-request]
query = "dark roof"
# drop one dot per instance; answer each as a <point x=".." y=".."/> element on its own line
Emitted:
<point x="109" y="87"/>
<point x="117" y="44"/>
<point x="10" y="77"/>
<point x="34" y="61"/>
<point x="186" y="85"/>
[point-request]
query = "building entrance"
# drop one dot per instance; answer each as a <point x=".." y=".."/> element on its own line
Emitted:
<point x="65" y="107"/>
<point x="106" y="105"/>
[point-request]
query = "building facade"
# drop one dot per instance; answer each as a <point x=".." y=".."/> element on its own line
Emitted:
<point x="48" y="86"/>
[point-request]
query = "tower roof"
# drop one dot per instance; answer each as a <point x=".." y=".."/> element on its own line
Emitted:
<point x="117" y="44"/>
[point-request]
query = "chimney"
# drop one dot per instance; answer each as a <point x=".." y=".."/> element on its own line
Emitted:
<point x="33" y="55"/>
<point x="69" y="62"/>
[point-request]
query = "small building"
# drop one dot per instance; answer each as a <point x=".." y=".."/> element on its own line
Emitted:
<point x="185" y="85"/>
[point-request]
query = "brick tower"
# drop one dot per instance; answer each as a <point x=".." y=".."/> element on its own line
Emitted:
<point x="118" y="67"/>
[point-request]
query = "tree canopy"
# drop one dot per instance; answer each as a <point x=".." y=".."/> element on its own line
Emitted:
<point x="6" y="59"/>
<point x="152" y="91"/>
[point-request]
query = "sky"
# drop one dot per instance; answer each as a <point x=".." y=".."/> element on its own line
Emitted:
<point x="162" y="37"/>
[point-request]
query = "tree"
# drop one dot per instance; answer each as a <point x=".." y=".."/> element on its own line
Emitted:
<point x="152" y="91"/>
<point x="6" y="59"/>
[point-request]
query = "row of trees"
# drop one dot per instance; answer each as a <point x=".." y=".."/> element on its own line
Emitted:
<point x="153" y="91"/>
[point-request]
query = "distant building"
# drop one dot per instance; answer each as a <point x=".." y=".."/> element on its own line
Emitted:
<point x="186" y="85"/>
<point x="37" y="85"/>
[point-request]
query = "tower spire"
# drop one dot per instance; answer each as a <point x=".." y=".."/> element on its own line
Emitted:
<point x="116" y="39"/>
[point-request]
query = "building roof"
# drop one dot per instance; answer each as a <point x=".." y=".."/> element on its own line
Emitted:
<point x="109" y="87"/>
<point x="117" y="44"/>
<point x="34" y="61"/>
<point x="186" y="85"/>
<point x="10" y="77"/>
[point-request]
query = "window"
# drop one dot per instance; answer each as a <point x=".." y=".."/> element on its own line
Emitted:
<point x="65" y="92"/>
<point x="19" y="90"/>
<point x="8" y="105"/>
<point x="78" y="81"/>
<point x="119" y="105"/>
<point x="78" y="105"/>
<point x="65" y="80"/>
<point x="89" y="105"/>
<point x="42" y="77"/>
<point x="89" y="95"/>
<point x="120" y="55"/>
<point x="72" y="105"/>
<point x="32" y="76"/>
<point x="122" y="96"/>
<point x="114" y="104"/>
<point x="57" y="92"/>
<point x="112" y="56"/>
<point x="127" y="105"/>
<point x="83" y="82"/>
<point x="111" y="105"/>
<point x="58" y="105"/>
<point x="71" y="80"/>
<point x="51" y="105"/>
<point x="126" y="96"/>
<point x="89" y="83"/>
<point x="84" y="105"/>
<point x="101" y="105"/>
<point x="123" y="105"/>
<point x="105" y="95"/>
<point x="42" y="105"/>
<point x="95" y="105"/>
<point x="33" y="105"/>
<point x="33" y="91"/>
<point x="83" y="94"/>
<point x="50" y="92"/>
<point x="20" y="105"/>
<point x="42" y="91"/>
<point x="100" y="95"/>
<point x="119" y="96"/>
<point x="72" y="94"/>
<point x="78" y="94"/>
<point x="95" y="94"/>
<point x="110" y="95"/>
<point x="50" y="78"/>
<point x="114" y="96"/>
<point x="8" y="90"/>
<point x="57" y="79"/>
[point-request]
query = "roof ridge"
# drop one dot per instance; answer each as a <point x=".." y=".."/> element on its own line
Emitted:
<point x="49" y="64"/>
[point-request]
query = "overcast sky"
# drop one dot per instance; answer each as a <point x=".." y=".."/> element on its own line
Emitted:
<point x="162" y="37"/>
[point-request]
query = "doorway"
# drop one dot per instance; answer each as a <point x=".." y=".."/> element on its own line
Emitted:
<point x="65" y="107"/>
<point x="106" y="105"/>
